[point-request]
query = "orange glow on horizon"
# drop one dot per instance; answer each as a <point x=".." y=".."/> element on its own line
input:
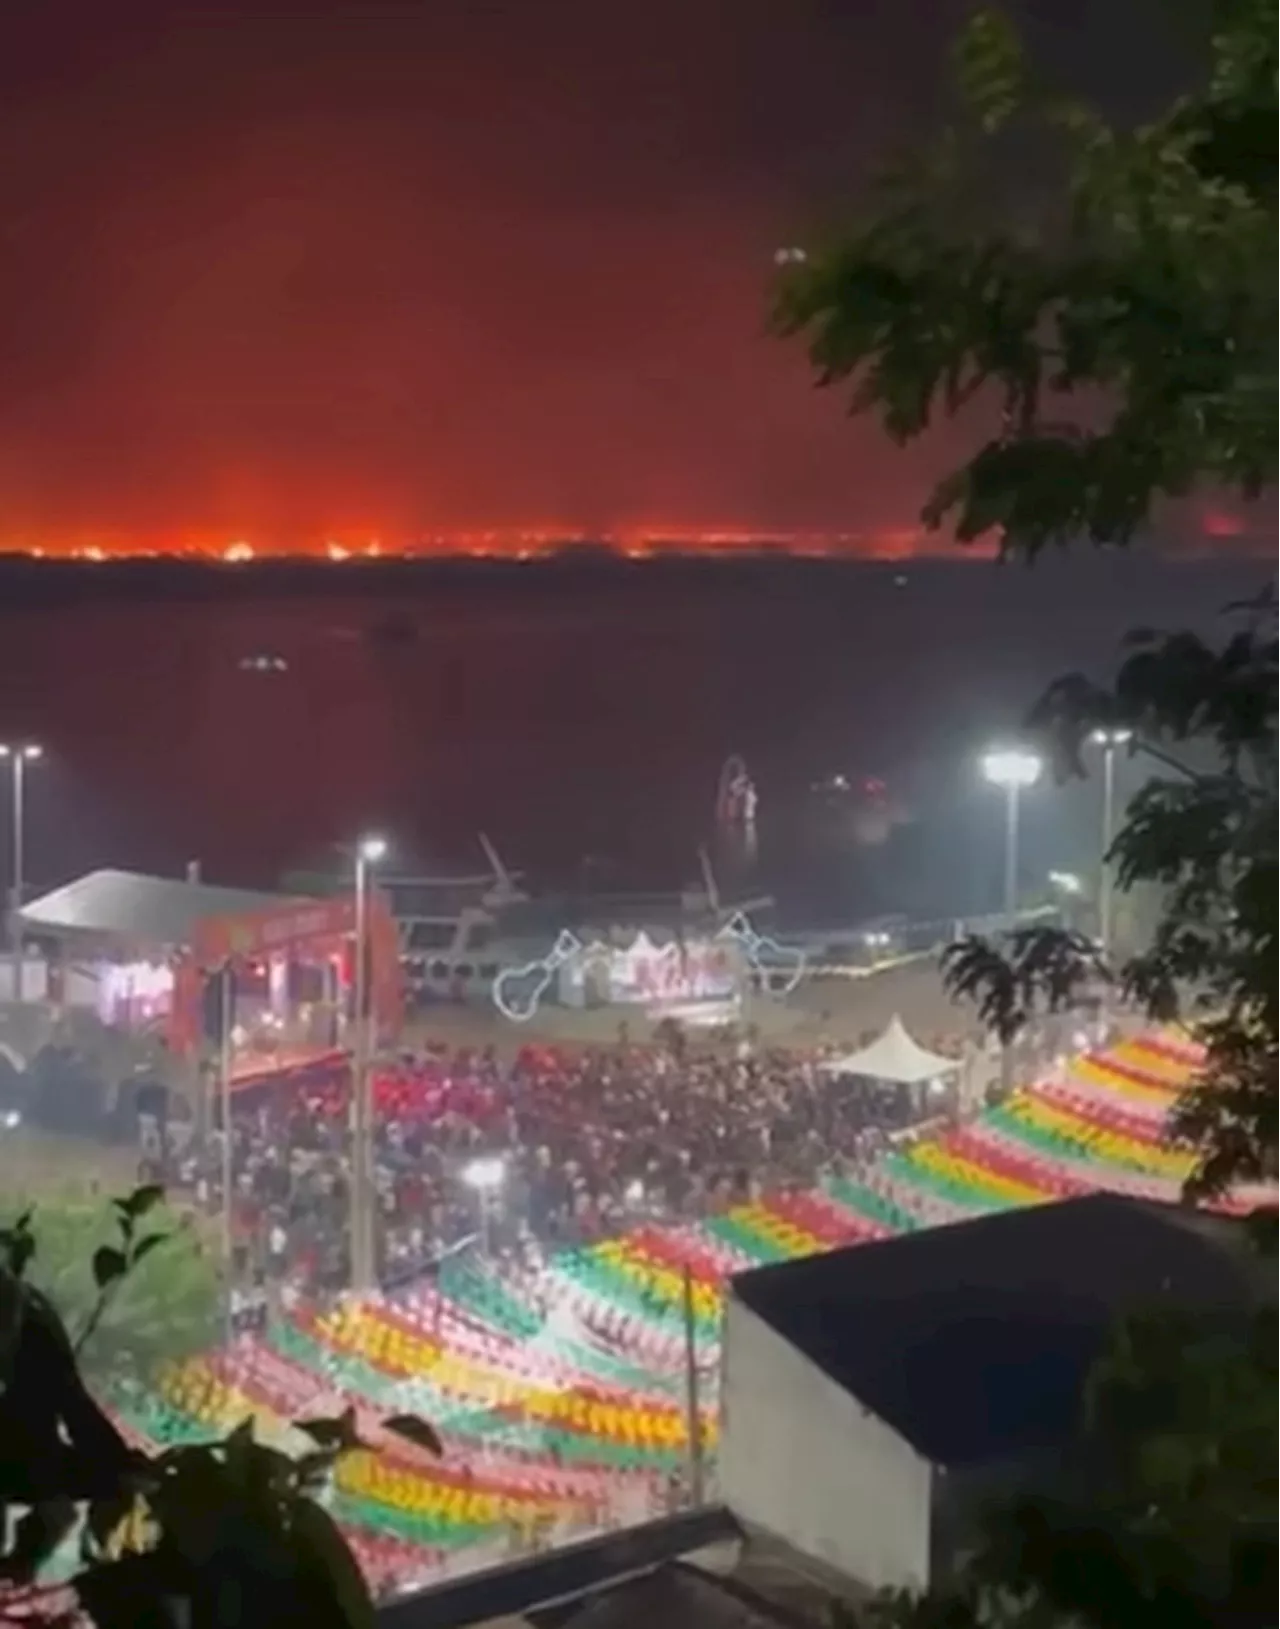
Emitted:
<point x="637" y="542"/>
<point x="522" y="543"/>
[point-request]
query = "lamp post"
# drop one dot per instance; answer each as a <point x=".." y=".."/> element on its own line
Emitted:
<point x="1108" y="740"/>
<point x="692" y="1406"/>
<point x="369" y="851"/>
<point x="486" y="1176"/>
<point x="1069" y="890"/>
<point x="19" y="757"/>
<point x="226" y="1010"/>
<point x="1014" y="769"/>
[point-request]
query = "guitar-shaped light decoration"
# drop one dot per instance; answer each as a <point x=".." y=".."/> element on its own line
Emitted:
<point x="766" y="955"/>
<point x="518" y="991"/>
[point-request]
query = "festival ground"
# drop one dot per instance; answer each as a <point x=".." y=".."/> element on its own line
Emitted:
<point x="561" y="1399"/>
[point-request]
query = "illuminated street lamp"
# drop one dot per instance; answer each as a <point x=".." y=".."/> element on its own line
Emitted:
<point x="369" y="851"/>
<point x="1014" y="769"/>
<point x="1109" y="740"/>
<point x="18" y="756"/>
<point x="486" y="1176"/>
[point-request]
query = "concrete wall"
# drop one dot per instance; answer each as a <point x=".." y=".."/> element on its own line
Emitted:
<point x="802" y="1459"/>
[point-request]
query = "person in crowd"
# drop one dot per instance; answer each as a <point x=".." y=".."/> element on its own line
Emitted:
<point x="590" y="1141"/>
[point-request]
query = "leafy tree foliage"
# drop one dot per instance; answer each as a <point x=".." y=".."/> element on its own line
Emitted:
<point x="1165" y="1515"/>
<point x="230" y="1532"/>
<point x="1127" y="332"/>
<point x="164" y="1309"/>
<point x="1121" y="338"/>
<point x="1125" y="328"/>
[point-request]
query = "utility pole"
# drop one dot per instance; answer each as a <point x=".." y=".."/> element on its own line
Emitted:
<point x="227" y="1005"/>
<point x="364" y="1243"/>
<point x="693" y="1415"/>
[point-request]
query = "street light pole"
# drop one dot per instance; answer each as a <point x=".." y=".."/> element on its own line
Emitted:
<point x="19" y="757"/>
<point x="1011" y="851"/>
<point x="363" y="1241"/>
<point x="485" y="1175"/>
<point x="692" y="1408"/>
<point x="1108" y="740"/>
<point x="1012" y="769"/>
<point x="227" y="1020"/>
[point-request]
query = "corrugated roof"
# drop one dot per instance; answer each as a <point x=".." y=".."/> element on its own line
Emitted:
<point x="129" y="904"/>
<point x="973" y="1341"/>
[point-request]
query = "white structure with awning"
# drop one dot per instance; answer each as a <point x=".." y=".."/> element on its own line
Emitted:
<point x="894" y="1057"/>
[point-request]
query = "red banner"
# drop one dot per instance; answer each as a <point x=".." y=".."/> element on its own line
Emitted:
<point x="290" y="927"/>
<point x="314" y="926"/>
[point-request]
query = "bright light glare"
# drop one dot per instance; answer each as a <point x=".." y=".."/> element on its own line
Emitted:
<point x="373" y="849"/>
<point x="635" y="1191"/>
<point x="1067" y="881"/>
<point x="30" y="752"/>
<point x="12" y="1120"/>
<point x="1012" y="767"/>
<point x="484" y="1175"/>
<point x="1111" y="738"/>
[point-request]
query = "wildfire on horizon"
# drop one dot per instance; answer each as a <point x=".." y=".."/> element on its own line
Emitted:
<point x="523" y="544"/>
<point x="1198" y="530"/>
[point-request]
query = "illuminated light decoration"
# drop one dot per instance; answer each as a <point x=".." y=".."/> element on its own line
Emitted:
<point x="736" y="796"/>
<point x="645" y="973"/>
<point x="521" y="1004"/>
<point x="144" y="985"/>
<point x="757" y="946"/>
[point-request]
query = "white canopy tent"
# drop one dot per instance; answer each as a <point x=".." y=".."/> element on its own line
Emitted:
<point x="894" y="1057"/>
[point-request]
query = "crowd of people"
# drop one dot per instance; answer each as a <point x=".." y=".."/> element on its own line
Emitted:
<point x="554" y="1147"/>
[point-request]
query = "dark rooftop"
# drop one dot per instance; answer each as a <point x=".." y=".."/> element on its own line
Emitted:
<point x="973" y="1341"/>
<point x="676" y="1596"/>
<point x="559" y="1577"/>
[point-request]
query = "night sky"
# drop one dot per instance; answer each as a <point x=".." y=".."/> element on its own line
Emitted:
<point x="287" y="270"/>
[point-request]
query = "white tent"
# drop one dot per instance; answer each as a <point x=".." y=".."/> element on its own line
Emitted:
<point x="896" y="1057"/>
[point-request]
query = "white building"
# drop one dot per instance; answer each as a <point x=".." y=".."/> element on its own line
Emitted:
<point x="873" y="1398"/>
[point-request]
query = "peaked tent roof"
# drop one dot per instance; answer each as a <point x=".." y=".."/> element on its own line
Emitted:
<point x="895" y="1056"/>
<point x="131" y="905"/>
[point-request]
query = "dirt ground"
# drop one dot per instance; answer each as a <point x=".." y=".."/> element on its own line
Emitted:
<point x="39" y="1164"/>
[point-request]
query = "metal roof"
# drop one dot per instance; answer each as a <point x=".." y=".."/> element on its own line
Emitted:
<point x="132" y="905"/>
<point x="973" y="1341"/>
<point x="574" y="1572"/>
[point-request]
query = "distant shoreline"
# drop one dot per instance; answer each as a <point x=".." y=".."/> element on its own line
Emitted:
<point x="33" y="580"/>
